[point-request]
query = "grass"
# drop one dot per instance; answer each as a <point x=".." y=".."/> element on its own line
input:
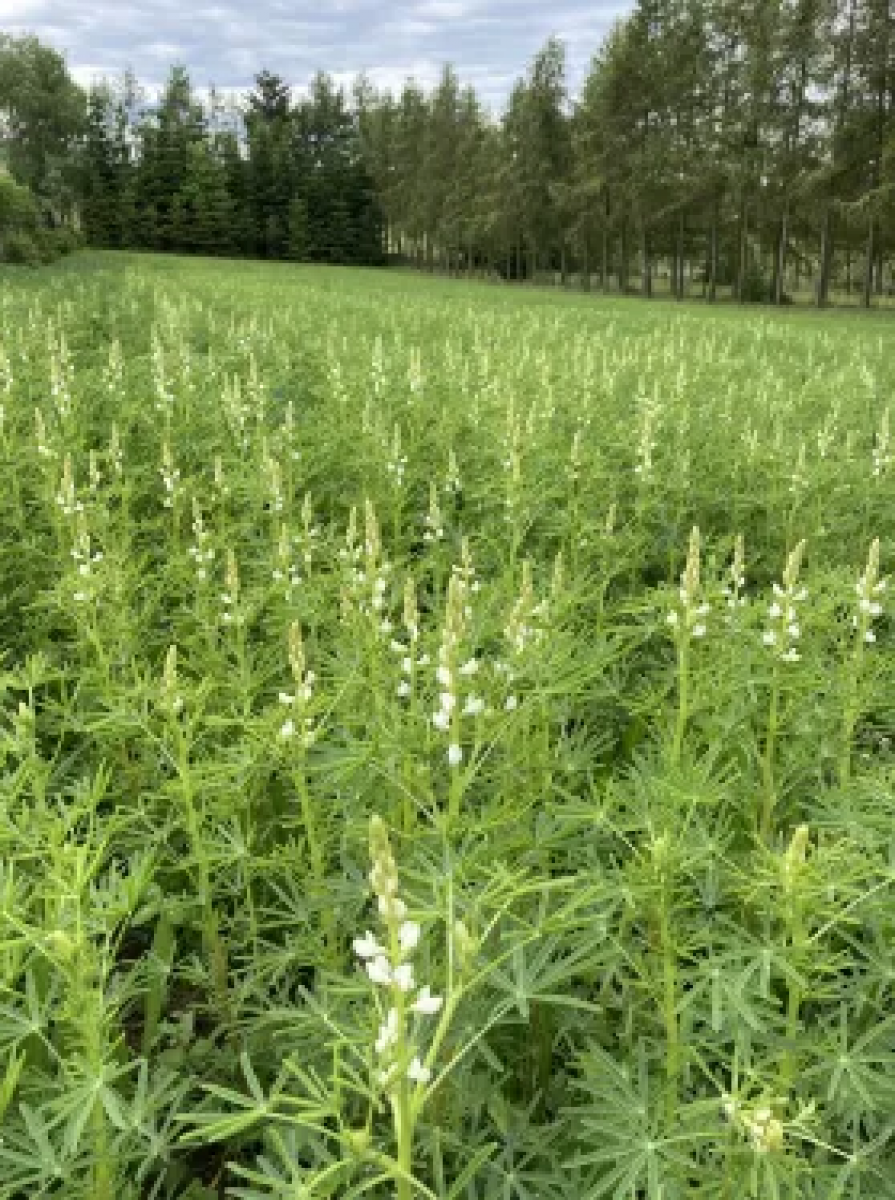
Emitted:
<point x="447" y="741"/>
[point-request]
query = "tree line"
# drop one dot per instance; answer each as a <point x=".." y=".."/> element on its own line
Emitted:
<point x="715" y="148"/>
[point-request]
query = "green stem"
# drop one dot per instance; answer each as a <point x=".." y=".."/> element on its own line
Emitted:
<point x="770" y="799"/>
<point x="852" y="707"/>
<point x="669" y="1014"/>
<point x="683" y="700"/>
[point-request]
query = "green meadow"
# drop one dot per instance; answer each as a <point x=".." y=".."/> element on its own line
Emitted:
<point x="447" y="741"/>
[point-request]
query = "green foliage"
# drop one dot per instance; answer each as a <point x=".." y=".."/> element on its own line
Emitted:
<point x="564" y="616"/>
<point x="21" y="249"/>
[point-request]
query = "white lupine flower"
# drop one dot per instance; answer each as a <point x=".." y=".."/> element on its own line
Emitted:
<point x="448" y="701"/>
<point x="687" y="619"/>
<point x="388" y="1032"/>
<point x="511" y="703"/>
<point x="409" y="936"/>
<point x="469" y="667"/>
<point x="379" y="970"/>
<point x="441" y="720"/>
<point x="402" y="977"/>
<point x="367" y="946"/>
<point x="443" y="675"/>
<point x="454" y="754"/>
<point x="287" y="729"/>
<point x="417" y="1073"/>
<point x="392" y="908"/>
<point x="784" y="628"/>
<point x="474" y="706"/>
<point x="426" y="1004"/>
<point x="285" y="698"/>
<point x="869" y="635"/>
<point x="403" y="689"/>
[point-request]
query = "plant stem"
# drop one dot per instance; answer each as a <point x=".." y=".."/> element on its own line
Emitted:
<point x="683" y="697"/>
<point x="769" y="803"/>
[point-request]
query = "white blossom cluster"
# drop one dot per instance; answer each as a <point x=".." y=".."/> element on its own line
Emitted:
<point x="94" y="475"/>
<point x="66" y="497"/>
<point x="646" y="443"/>
<point x="60" y="376"/>
<point x="44" y="447"/>
<point x="453" y="484"/>
<point x="828" y="432"/>
<point x="309" y="537"/>
<point x="85" y="559"/>
<point x="256" y="392"/>
<point x="799" y="478"/>
<point x="408" y="651"/>
<point x="236" y="411"/>
<point x="574" y="468"/>
<point x="170" y="696"/>
<point x="286" y="569"/>
<point x="434" y="521"/>
<point x="869" y="587"/>
<point x="524" y="629"/>
<point x="231" y="609"/>
<point x="784" y="631"/>
<point x="764" y="1130"/>
<point x="297" y="702"/>
<point x="396" y="462"/>
<point x="368" y="572"/>
<point x="170" y="474"/>
<point x="164" y="397"/>
<point x="688" y="617"/>
<point x="220" y="487"/>
<point x="882" y="459"/>
<point x="454" y="666"/>
<point x="113" y="373"/>
<point x="201" y="551"/>
<point x="273" y="480"/>
<point x="287" y="433"/>
<point x="389" y="965"/>
<point x="377" y="371"/>
<point x="415" y="378"/>
<point x="733" y="587"/>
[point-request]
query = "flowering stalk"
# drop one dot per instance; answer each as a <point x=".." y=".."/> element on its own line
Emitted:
<point x="792" y="867"/>
<point x="403" y="1070"/>
<point x="411" y="660"/>
<point x="687" y="621"/>
<point x="780" y="637"/>
<point x="868" y="588"/>
<point x="297" y="733"/>
<point x="178" y="730"/>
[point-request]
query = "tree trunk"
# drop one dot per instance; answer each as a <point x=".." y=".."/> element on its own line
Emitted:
<point x="713" y="256"/>
<point x="679" y="281"/>
<point x="623" y="258"/>
<point x="780" y="264"/>
<point x="563" y="267"/>
<point x="585" y="266"/>
<point x="868" y="264"/>
<point x="742" y="253"/>
<point x="646" y="265"/>
<point x="826" y="258"/>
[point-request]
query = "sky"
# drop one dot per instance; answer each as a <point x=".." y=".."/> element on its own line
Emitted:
<point x="226" y="42"/>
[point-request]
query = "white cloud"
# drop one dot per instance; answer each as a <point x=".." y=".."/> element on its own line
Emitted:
<point x="226" y="42"/>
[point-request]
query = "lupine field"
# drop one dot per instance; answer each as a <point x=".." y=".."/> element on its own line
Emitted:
<point x="447" y="742"/>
